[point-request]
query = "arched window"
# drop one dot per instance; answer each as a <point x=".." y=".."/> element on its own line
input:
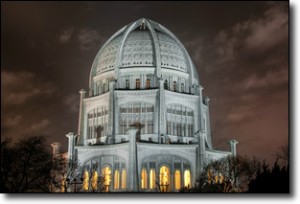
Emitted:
<point x="144" y="113"/>
<point x="85" y="184"/>
<point x="106" y="172"/>
<point x="169" y="128"/>
<point x="178" y="129"/>
<point x="166" y="84"/>
<point x="104" y="87"/>
<point x="117" y="179"/>
<point x="123" y="184"/>
<point x="94" y="181"/>
<point x="137" y="83"/>
<point x="144" y="179"/>
<point x="164" y="178"/>
<point x="148" y="83"/>
<point x="127" y="85"/>
<point x="174" y="85"/>
<point x="187" y="179"/>
<point x="152" y="179"/>
<point x="182" y="87"/>
<point x="177" y="179"/>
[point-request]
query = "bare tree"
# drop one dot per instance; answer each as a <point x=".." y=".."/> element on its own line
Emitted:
<point x="25" y="166"/>
<point x="70" y="176"/>
<point x="231" y="174"/>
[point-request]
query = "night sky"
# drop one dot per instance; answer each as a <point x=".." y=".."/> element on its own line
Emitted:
<point x="240" y="50"/>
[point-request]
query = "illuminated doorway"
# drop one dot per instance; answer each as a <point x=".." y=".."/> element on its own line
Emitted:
<point x="177" y="180"/>
<point x="152" y="179"/>
<point x="123" y="186"/>
<point x="187" y="179"/>
<point x="106" y="172"/>
<point x="117" y="179"/>
<point x="164" y="179"/>
<point x="85" y="185"/>
<point x="144" y="179"/>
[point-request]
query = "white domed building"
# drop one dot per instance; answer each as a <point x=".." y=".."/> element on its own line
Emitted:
<point x="144" y="121"/>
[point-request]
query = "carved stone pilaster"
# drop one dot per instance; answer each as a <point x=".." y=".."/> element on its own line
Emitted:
<point x="233" y="144"/>
<point x="71" y="147"/>
<point x="161" y="118"/>
<point x="81" y="117"/>
<point x="111" y="122"/>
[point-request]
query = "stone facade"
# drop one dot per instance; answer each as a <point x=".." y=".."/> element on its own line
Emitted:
<point x="145" y="119"/>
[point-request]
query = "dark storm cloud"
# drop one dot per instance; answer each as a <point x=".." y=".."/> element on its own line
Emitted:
<point x="71" y="102"/>
<point x="21" y="94"/>
<point x="239" y="48"/>
<point x="89" y="39"/>
<point x="246" y="73"/>
<point x="66" y="34"/>
<point x="20" y="87"/>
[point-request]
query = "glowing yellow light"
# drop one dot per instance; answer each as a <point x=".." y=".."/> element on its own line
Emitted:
<point x="63" y="183"/>
<point x="85" y="180"/>
<point x="117" y="179"/>
<point x="144" y="179"/>
<point x="221" y="178"/>
<point x="177" y="180"/>
<point x="187" y="178"/>
<point x="94" y="180"/>
<point x="164" y="181"/>
<point x="123" y="179"/>
<point x="106" y="172"/>
<point x="209" y="176"/>
<point x="152" y="179"/>
<point x="216" y="178"/>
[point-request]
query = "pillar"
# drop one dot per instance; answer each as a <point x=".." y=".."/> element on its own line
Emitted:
<point x="111" y="122"/>
<point x="133" y="174"/>
<point x="81" y="117"/>
<point x="233" y="144"/>
<point x="200" y="118"/>
<point x="71" y="147"/>
<point x="201" y="150"/>
<point x="161" y="111"/>
<point x="55" y="148"/>
<point x="208" y="134"/>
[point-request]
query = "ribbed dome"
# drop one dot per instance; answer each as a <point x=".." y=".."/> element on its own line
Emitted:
<point x="139" y="51"/>
<point x="143" y="44"/>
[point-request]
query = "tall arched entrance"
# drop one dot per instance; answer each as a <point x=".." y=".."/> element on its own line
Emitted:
<point x="164" y="179"/>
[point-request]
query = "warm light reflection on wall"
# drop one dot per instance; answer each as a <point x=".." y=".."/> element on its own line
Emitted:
<point x="177" y="180"/>
<point x="144" y="179"/>
<point x="152" y="179"/>
<point x="94" y="180"/>
<point x="106" y="172"/>
<point x="187" y="178"/>
<point x="123" y="179"/>
<point x="117" y="179"/>
<point x="164" y="181"/>
<point x="85" y="184"/>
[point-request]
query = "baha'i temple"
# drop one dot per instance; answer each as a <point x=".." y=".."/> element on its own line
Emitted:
<point x="144" y="120"/>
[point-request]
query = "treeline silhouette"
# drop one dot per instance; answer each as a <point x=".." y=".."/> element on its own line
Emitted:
<point x="28" y="166"/>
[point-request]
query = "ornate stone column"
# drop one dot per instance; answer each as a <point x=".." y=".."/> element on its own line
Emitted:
<point x="233" y="144"/>
<point x="81" y="117"/>
<point x="161" y="111"/>
<point x="71" y="148"/>
<point x="133" y="175"/>
<point x="201" y="150"/>
<point x="208" y="136"/>
<point x="55" y="148"/>
<point x="200" y="118"/>
<point x="111" y="122"/>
